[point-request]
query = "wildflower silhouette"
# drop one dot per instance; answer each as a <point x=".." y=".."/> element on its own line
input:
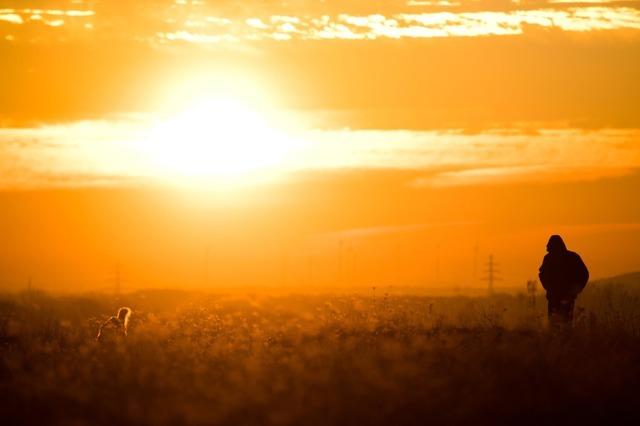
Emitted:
<point x="117" y="325"/>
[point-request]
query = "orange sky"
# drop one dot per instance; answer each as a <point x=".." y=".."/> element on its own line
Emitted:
<point x="396" y="142"/>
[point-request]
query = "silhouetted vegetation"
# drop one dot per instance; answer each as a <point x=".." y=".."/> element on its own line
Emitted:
<point x="193" y="358"/>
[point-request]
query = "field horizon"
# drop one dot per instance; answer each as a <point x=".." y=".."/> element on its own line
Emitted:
<point x="627" y="278"/>
<point x="286" y="359"/>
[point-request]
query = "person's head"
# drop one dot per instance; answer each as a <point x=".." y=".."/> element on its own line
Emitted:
<point x="556" y="245"/>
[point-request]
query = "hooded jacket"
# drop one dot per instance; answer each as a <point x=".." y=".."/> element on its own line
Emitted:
<point x="563" y="274"/>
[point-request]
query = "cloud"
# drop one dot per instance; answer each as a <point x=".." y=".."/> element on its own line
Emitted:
<point x="422" y="25"/>
<point x="521" y="174"/>
<point x="11" y="17"/>
<point x="170" y="22"/>
<point x="446" y="158"/>
<point x="419" y="3"/>
<point x="588" y="1"/>
<point x="484" y="154"/>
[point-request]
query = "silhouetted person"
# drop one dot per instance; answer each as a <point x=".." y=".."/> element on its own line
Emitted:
<point x="563" y="275"/>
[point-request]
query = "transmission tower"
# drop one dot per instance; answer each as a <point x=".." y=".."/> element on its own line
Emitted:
<point x="492" y="274"/>
<point x="116" y="280"/>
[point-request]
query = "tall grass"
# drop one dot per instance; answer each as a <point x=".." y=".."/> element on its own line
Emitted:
<point x="333" y="359"/>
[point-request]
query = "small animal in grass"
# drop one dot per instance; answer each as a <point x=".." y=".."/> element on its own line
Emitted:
<point x="116" y="326"/>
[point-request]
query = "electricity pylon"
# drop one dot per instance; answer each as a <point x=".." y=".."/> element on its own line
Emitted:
<point x="116" y="280"/>
<point x="492" y="275"/>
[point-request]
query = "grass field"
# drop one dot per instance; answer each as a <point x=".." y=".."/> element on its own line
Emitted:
<point x="368" y="358"/>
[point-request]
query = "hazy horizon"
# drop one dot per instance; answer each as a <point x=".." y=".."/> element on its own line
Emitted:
<point x="315" y="143"/>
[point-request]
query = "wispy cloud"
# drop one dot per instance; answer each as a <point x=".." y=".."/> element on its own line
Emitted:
<point x="588" y="1"/>
<point x="205" y="24"/>
<point x="12" y="18"/>
<point x="521" y="174"/>
<point x="445" y="158"/>
<point x="422" y="25"/>
<point x="489" y="153"/>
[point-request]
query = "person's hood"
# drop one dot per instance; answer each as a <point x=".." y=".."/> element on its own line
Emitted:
<point x="556" y="244"/>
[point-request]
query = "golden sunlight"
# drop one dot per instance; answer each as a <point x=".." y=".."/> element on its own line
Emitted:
<point x="323" y="212"/>
<point x="218" y="138"/>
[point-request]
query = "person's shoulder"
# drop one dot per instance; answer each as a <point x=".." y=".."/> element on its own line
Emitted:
<point x="547" y="257"/>
<point x="575" y="257"/>
<point x="573" y="254"/>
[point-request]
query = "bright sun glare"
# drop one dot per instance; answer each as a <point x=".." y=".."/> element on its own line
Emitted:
<point x="216" y="139"/>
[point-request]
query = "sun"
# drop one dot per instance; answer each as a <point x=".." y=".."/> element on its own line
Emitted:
<point x="218" y="138"/>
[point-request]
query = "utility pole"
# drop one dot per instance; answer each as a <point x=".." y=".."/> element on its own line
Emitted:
<point x="116" y="280"/>
<point x="475" y="263"/>
<point x="492" y="275"/>
<point x="29" y="288"/>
